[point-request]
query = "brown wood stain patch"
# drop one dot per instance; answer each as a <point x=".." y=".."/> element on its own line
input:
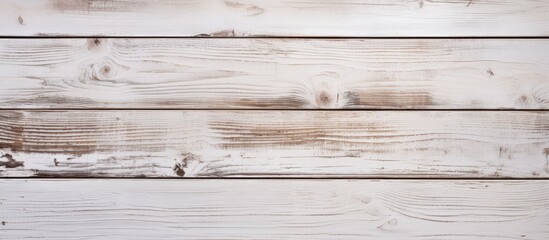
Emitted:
<point x="98" y="6"/>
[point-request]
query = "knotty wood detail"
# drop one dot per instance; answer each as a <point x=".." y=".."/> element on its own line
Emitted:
<point x="402" y="144"/>
<point x="275" y="73"/>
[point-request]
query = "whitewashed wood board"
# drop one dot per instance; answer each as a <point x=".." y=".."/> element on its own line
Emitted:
<point x="228" y="18"/>
<point x="275" y="73"/>
<point x="253" y="143"/>
<point x="274" y="209"/>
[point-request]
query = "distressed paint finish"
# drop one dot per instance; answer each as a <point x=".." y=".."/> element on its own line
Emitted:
<point x="213" y="105"/>
<point x="275" y="73"/>
<point x="275" y="143"/>
<point x="236" y="18"/>
<point x="274" y="209"/>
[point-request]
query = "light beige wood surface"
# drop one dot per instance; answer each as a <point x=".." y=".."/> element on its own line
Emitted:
<point x="274" y="209"/>
<point x="275" y="73"/>
<point x="228" y="18"/>
<point x="254" y="143"/>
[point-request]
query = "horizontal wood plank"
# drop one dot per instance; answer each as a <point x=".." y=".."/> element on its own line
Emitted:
<point x="236" y="18"/>
<point x="274" y="209"/>
<point x="275" y="73"/>
<point x="235" y="143"/>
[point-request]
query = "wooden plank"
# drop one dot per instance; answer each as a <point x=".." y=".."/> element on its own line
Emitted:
<point x="275" y="73"/>
<point x="274" y="143"/>
<point x="274" y="209"/>
<point x="228" y="18"/>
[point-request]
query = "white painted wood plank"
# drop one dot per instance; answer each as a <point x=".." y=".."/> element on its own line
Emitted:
<point x="356" y="18"/>
<point x="274" y="209"/>
<point x="274" y="143"/>
<point x="275" y="73"/>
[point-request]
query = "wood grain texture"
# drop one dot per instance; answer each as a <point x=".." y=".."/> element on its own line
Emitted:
<point x="275" y="73"/>
<point x="274" y="209"/>
<point x="274" y="144"/>
<point x="235" y="18"/>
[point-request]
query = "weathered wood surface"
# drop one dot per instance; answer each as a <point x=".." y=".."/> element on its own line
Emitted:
<point x="274" y="143"/>
<point x="274" y="209"/>
<point x="275" y="73"/>
<point x="228" y="18"/>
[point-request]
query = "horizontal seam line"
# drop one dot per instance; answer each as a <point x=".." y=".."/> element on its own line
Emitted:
<point x="278" y="37"/>
<point x="289" y="178"/>
<point x="274" y="109"/>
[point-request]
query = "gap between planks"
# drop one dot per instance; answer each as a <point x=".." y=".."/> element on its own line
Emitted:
<point x="275" y="37"/>
<point x="279" y="109"/>
<point x="293" y="178"/>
